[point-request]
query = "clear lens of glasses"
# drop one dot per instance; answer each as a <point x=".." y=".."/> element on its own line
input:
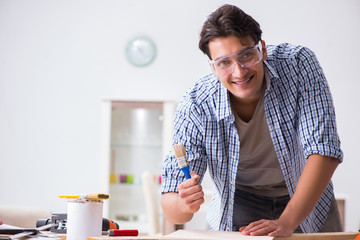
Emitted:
<point x="245" y="58"/>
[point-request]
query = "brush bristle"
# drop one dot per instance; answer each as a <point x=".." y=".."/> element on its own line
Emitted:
<point x="180" y="155"/>
<point x="179" y="150"/>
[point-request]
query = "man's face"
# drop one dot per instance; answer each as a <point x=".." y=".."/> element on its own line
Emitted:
<point x="245" y="84"/>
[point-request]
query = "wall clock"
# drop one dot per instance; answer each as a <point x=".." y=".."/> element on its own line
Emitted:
<point x="140" y="51"/>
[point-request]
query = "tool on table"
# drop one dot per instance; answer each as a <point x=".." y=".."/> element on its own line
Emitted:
<point x="6" y="226"/>
<point x="12" y="231"/>
<point x="124" y="232"/>
<point x="91" y="196"/>
<point x="61" y="220"/>
<point x="121" y="233"/>
<point x="108" y="225"/>
<point x="180" y="155"/>
<point x="20" y="233"/>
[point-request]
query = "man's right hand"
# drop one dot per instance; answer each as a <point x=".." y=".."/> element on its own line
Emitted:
<point x="179" y="208"/>
<point x="191" y="194"/>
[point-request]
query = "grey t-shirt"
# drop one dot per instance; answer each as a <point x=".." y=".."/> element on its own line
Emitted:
<point x="259" y="171"/>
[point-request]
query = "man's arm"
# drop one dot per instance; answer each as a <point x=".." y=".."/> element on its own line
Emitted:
<point x="179" y="208"/>
<point x="315" y="177"/>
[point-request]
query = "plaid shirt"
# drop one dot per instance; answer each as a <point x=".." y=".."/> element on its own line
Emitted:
<point x="301" y="119"/>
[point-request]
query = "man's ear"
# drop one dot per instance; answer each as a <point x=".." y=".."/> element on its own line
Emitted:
<point x="264" y="51"/>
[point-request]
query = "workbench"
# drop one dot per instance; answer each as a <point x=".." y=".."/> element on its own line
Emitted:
<point x="219" y="235"/>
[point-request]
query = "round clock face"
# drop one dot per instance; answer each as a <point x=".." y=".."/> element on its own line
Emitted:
<point x="140" y="51"/>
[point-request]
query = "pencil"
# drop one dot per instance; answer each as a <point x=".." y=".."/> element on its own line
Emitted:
<point x="91" y="196"/>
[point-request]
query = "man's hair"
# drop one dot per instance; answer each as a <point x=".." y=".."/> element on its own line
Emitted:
<point x="226" y="21"/>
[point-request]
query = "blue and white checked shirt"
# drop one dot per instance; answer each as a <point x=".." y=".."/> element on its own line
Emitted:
<point x="301" y="118"/>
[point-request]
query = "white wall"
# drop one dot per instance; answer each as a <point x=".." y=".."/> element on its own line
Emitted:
<point x="59" y="59"/>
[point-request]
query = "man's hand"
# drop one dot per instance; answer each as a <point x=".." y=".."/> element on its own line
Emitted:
<point x="179" y="208"/>
<point x="271" y="228"/>
<point x="191" y="194"/>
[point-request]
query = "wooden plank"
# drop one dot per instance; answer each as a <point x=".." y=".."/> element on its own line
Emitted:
<point x="321" y="236"/>
<point x="207" y="235"/>
<point x="126" y="238"/>
<point x="211" y="235"/>
<point x="217" y="235"/>
<point x="61" y="236"/>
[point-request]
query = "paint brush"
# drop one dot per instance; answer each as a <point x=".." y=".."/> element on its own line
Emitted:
<point x="180" y="155"/>
<point x="91" y="196"/>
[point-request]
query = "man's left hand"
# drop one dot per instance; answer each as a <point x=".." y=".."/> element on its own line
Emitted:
<point x="272" y="228"/>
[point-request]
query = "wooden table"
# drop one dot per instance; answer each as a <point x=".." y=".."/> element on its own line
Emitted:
<point x="217" y="235"/>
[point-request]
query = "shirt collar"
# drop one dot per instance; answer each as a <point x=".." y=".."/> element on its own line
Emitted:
<point x="224" y="108"/>
<point x="270" y="73"/>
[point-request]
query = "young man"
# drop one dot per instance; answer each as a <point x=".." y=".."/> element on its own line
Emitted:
<point x="263" y="125"/>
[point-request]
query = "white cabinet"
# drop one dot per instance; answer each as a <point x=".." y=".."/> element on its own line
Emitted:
<point x="135" y="139"/>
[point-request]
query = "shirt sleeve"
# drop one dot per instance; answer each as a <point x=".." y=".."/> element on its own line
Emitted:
<point x="317" y="120"/>
<point x="187" y="130"/>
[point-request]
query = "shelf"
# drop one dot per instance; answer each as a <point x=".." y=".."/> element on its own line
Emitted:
<point x="137" y="134"/>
